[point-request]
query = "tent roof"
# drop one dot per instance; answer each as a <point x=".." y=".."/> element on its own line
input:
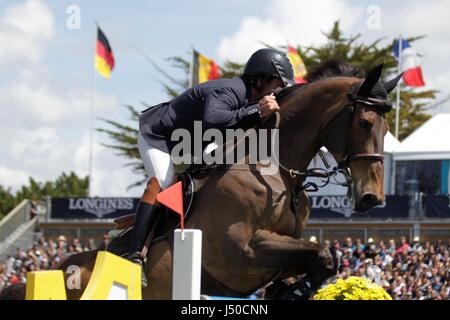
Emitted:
<point x="390" y="142"/>
<point x="429" y="142"/>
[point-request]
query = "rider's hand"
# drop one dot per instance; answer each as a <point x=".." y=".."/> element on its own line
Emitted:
<point x="268" y="105"/>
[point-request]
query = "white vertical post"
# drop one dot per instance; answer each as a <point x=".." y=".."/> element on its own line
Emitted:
<point x="187" y="265"/>
<point x="397" y="110"/>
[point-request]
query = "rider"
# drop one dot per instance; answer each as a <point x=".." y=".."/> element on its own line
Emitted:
<point x="223" y="103"/>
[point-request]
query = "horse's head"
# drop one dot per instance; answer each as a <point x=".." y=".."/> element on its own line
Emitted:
<point x="355" y="137"/>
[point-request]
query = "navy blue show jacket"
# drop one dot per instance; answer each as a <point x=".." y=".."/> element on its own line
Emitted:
<point x="220" y="104"/>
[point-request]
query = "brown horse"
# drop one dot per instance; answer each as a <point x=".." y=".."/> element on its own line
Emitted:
<point x="252" y="223"/>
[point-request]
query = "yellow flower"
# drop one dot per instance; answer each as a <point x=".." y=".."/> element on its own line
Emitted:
<point x="353" y="288"/>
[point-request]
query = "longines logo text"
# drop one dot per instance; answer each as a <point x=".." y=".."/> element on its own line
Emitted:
<point x="339" y="204"/>
<point x="101" y="206"/>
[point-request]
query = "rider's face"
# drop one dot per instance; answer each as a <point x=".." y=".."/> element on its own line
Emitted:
<point x="269" y="87"/>
<point x="275" y="83"/>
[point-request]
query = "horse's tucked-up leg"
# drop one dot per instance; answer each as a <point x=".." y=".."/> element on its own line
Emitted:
<point x="295" y="256"/>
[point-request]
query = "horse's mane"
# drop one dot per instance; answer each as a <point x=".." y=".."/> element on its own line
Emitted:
<point x="327" y="69"/>
<point x="333" y="68"/>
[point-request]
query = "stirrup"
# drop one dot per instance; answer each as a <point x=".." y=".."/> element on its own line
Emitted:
<point x="137" y="258"/>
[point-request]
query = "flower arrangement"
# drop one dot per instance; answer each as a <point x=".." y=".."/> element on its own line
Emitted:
<point x="353" y="288"/>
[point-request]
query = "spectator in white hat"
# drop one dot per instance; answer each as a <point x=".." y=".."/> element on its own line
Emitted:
<point x="416" y="247"/>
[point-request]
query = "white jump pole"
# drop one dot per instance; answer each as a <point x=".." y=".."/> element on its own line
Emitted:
<point x="187" y="264"/>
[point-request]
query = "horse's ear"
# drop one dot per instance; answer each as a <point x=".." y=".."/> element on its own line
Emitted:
<point x="391" y="84"/>
<point x="369" y="82"/>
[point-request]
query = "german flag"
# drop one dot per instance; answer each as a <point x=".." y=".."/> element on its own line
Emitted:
<point x="297" y="64"/>
<point x="104" y="59"/>
<point x="204" y="69"/>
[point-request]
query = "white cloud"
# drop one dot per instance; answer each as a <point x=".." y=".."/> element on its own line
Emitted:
<point x="110" y="178"/>
<point x="36" y="104"/>
<point x="44" y="130"/>
<point x="44" y="154"/>
<point x="429" y="18"/>
<point x="300" y="22"/>
<point x="24" y="30"/>
<point x="13" y="178"/>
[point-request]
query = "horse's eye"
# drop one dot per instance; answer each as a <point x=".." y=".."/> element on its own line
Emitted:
<point x="366" y="125"/>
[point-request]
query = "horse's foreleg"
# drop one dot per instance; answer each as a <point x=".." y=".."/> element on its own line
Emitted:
<point x="159" y="272"/>
<point x="293" y="256"/>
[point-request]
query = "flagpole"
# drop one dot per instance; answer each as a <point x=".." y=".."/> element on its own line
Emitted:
<point x="397" y="110"/>
<point x="91" y="122"/>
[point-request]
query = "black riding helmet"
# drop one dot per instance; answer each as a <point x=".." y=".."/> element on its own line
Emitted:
<point x="270" y="62"/>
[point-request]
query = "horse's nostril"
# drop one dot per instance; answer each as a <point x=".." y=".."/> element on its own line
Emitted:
<point x="369" y="200"/>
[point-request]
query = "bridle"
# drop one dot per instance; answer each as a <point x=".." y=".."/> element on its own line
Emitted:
<point x="383" y="106"/>
<point x="343" y="166"/>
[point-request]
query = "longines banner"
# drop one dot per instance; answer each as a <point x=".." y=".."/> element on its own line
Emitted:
<point x="339" y="207"/>
<point x="323" y="207"/>
<point x="437" y="206"/>
<point x="92" y="208"/>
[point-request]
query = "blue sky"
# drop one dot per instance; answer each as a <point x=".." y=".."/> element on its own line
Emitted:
<point x="159" y="28"/>
<point x="46" y="69"/>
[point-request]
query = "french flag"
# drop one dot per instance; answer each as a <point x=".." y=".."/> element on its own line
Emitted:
<point x="410" y="63"/>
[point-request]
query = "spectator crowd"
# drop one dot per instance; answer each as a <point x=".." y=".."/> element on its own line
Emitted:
<point x="42" y="255"/>
<point x="419" y="271"/>
<point x="407" y="272"/>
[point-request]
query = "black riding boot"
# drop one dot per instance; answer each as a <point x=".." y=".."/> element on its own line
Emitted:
<point x="145" y="218"/>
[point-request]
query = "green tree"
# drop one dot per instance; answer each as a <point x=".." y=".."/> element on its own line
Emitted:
<point x="338" y="47"/>
<point x="70" y="185"/>
<point x="366" y="56"/>
<point x="7" y="201"/>
<point x="65" y="185"/>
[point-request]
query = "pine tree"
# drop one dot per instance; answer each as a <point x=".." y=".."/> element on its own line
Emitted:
<point x="66" y="185"/>
<point x="337" y="47"/>
<point x="7" y="201"/>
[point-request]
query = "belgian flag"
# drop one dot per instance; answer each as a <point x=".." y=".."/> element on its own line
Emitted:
<point x="104" y="59"/>
<point x="204" y="69"/>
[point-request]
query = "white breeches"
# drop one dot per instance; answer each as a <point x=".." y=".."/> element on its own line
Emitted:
<point x="157" y="163"/>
